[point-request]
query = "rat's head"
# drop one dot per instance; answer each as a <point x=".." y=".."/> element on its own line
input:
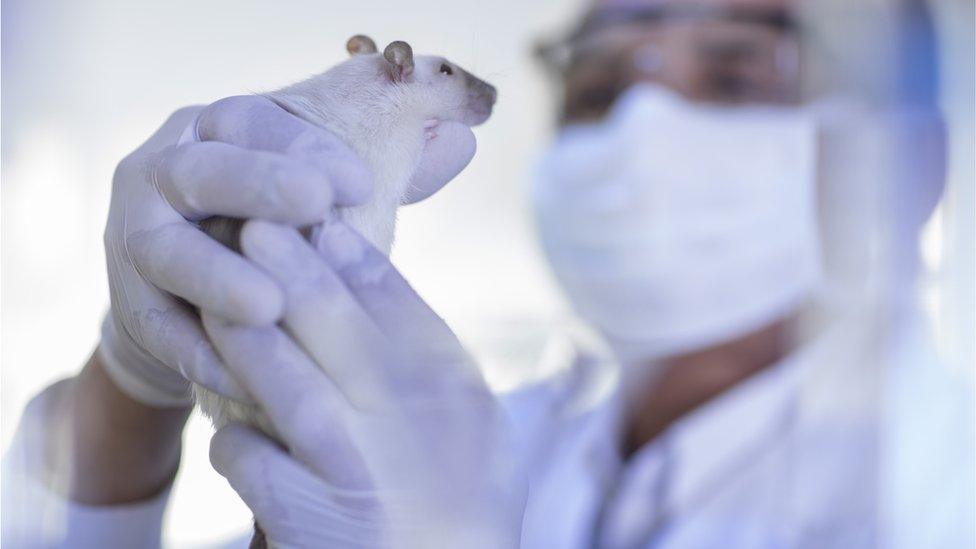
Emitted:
<point x="442" y="89"/>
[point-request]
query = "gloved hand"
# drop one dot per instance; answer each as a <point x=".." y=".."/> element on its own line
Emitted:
<point x="240" y="157"/>
<point x="394" y="438"/>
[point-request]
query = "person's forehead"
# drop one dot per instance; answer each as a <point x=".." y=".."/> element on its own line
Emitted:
<point x="776" y="5"/>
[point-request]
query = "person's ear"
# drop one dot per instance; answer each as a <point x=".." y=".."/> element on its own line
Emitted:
<point x="360" y="45"/>
<point x="399" y="57"/>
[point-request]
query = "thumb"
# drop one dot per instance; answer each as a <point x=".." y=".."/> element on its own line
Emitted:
<point x="444" y="156"/>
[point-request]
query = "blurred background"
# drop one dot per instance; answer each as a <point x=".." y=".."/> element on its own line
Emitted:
<point x="84" y="83"/>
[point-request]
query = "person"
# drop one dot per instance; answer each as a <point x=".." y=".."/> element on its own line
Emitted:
<point x="743" y="409"/>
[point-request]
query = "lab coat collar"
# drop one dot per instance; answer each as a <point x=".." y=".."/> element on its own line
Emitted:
<point x="676" y="472"/>
<point x="711" y="444"/>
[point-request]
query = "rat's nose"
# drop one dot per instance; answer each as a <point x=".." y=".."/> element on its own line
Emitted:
<point x="490" y="93"/>
<point x="482" y="90"/>
<point x="481" y="99"/>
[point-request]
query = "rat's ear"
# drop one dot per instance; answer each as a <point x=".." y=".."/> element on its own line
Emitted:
<point x="360" y="44"/>
<point x="399" y="55"/>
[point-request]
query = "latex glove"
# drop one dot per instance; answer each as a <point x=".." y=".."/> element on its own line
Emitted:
<point x="244" y="157"/>
<point x="450" y="147"/>
<point x="395" y="439"/>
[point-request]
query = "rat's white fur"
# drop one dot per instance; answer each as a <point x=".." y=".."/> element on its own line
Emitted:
<point x="384" y="119"/>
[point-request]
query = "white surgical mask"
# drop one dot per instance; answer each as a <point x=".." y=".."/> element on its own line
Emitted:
<point x="673" y="226"/>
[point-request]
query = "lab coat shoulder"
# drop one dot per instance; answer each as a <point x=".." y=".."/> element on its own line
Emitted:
<point x="565" y="425"/>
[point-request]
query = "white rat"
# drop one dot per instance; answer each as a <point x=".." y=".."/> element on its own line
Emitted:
<point x="384" y="106"/>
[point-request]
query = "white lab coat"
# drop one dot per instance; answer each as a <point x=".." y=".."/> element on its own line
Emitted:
<point x="789" y="458"/>
<point x="763" y="465"/>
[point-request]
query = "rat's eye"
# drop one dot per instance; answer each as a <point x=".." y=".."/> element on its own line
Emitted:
<point x="446" y="69"/>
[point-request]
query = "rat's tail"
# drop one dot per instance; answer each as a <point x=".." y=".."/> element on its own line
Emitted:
<point x="258" y="541"/>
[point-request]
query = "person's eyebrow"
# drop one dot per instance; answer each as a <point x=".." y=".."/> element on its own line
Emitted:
<point x="729" y="49"/>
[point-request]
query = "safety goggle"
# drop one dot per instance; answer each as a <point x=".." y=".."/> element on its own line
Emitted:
<point x="707" y="53"/>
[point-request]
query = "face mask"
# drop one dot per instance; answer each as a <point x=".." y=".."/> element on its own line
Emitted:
<point x="674" y="226"/>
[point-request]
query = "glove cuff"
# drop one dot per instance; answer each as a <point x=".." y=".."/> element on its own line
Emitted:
<point x="137" y="373"/>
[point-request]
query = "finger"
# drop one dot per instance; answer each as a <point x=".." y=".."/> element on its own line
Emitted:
<point x="173" y="334"/>
<point x="320" y="313"/>
<point x="257" y="123"/>
<point x="182" y="260"/>
<point x="305" y="407"/>
<point x="287" y="499"/>
<point x="204" y="179"/>
<point x="169" y="133"/>
<point x="381" y="290"/>
<point x="444" y="157"/>
<point x="431" y="364"/>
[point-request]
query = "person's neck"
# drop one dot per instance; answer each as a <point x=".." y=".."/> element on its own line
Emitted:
<point x="686" y="382"/>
